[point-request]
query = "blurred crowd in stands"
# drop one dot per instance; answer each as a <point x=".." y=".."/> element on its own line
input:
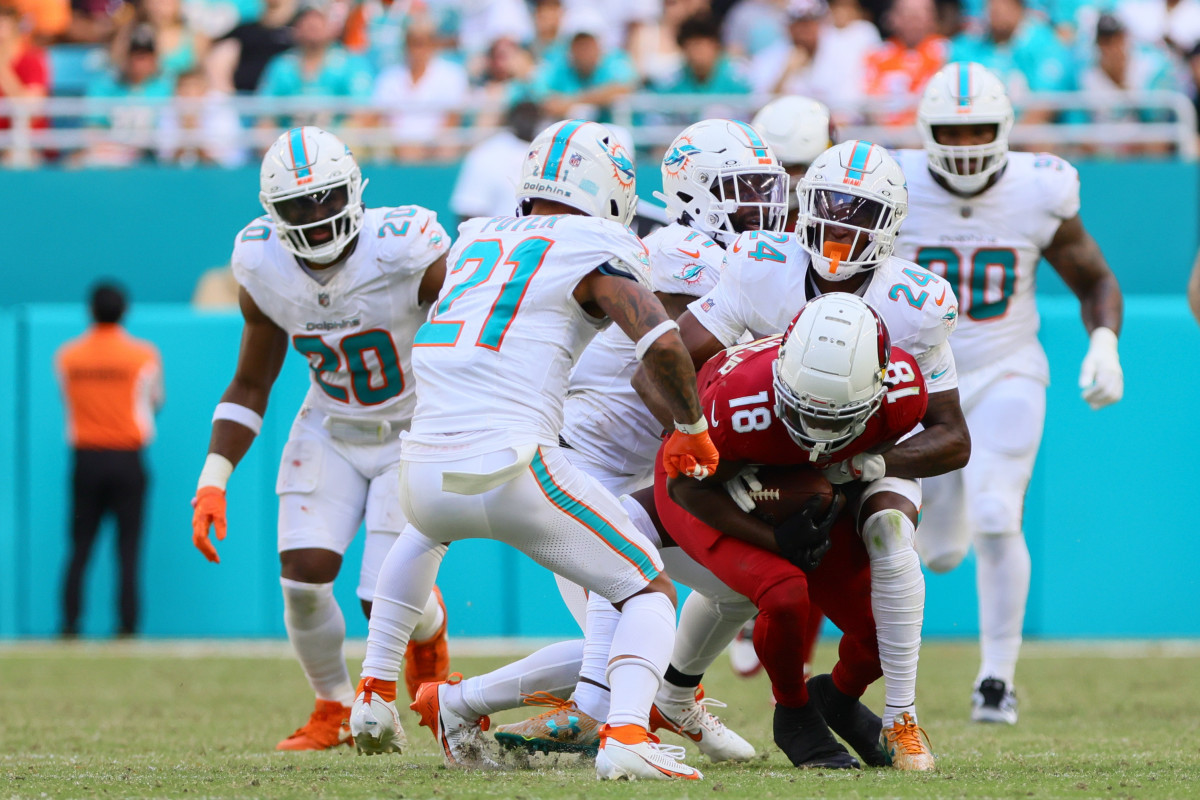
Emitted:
<point x="418" y="68"/>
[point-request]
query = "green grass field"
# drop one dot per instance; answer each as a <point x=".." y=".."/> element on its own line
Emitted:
<point x="130" y="721"/>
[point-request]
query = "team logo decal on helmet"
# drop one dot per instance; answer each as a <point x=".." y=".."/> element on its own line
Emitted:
<point x="678" y="155"/>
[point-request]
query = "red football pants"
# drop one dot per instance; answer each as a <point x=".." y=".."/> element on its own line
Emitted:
<point x="840" y="586"/>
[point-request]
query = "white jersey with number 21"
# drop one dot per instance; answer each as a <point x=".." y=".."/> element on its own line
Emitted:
<point x="497" y="351"/>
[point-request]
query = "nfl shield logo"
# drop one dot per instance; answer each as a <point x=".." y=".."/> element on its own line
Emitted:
<point x="323" y="299"/>
<point x="575" y="160"/>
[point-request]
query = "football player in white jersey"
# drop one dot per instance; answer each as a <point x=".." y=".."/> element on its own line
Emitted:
<point x="524" y="296"/>
<point x="852" y="201"/>
<point x="719" y="180"/>
<point x="982" y="218"/>
<point x="797" y="129"/>
<point x="347" y="287"/>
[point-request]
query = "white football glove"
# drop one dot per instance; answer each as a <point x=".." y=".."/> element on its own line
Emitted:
<point x="741" y="485"/>
<point x="862" y="467"/>
<point x="1101" y="379"/>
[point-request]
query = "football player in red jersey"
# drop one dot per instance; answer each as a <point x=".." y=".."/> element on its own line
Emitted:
<point x="829" y="393"/>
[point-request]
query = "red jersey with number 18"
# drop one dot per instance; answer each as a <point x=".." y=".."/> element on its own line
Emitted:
<point x="738" y="394"/>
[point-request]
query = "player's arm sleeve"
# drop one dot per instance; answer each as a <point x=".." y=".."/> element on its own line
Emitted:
<point x="1061" y="187"/>
<point x="937" y="367"/>
<point x="673" y="271"/>
<point x="932" y="350"/>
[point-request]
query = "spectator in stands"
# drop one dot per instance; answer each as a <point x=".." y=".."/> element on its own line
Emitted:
<point x="754" y="26"/>
<point x="1175" y="23"/>
<point x="48" y="19"/>
<point x="823" y="59"/>
<point x="201" y="127"/>
<point x="706" y="69"/>
<point x="505" y="77"/>
<point x="1021" y="48"/>
<point x="547" y="24"/>
<point x="92" y="21"/>
<point x="140" y="80"/>
<point x="24" y="70"/>
<point x="654" y="44"/>
<point x="315" y="67"/>
<point x="421" y="96"/>
<point x="899" y="69"/>
<point x="586" y="79"/>
<point x="112" y="387"/>
<point x="475" y="25"/>
<point x="179" y="47"/>
<point x="375" y="29"/>
<point x="238" y="60"/>
<point x="487" y="181"/>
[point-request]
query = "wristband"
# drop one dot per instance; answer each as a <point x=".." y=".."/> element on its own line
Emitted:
<point x="216" y="472"/>
<point x="233" y="412"/>
<point x="652" y="336"/>
<point x="696" y="427"/>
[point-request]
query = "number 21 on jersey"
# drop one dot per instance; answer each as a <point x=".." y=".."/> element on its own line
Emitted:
<point x="525" y="259"/>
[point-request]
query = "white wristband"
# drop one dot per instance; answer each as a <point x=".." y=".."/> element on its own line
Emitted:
<point x="693" y="428"/>
<point x="239" y="414"/>
<point x="1103" y="337"/>
<point x="216" y="472"/>
<point x="652" y="336"/>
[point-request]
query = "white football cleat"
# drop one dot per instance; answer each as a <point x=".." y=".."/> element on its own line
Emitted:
<point x="695" y="722"/>
<point x="994" y="701"/>
<point x="376" y="720"/>
<point x="642" y="759"/>
<point x="461" y="738"/>
<point x="742" y="656"/>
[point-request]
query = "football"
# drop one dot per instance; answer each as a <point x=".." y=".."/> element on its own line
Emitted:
<point x="785" y="490"/>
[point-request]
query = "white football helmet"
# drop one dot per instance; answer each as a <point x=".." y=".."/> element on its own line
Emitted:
<point x="829" y="376"/>
<point x="311" y="188"/>
<point x="721" y="178"/>
<point x="965" y="93"/>
<point x="583" y="165"/>
<point x="798" y="129"/>
<point x="852" y="201"/>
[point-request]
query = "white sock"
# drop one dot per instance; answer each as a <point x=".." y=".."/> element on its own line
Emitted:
<point x="706" y="627"/>
<point x="592" y="696"/>
<point x="554" y="669"/>
<point x="317" y="631"/>
<point x="1002" y="580"/>
<point x="431" y="620"/>
<point x="641" y="650"/>
<point x="405" y="582"/>
<point x="898" y="603"/>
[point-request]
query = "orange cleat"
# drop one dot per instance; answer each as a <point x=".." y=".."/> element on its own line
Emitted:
<point x="327" y="728"/>
<point x="428" y="661"/>
<point x="461" y="738"/>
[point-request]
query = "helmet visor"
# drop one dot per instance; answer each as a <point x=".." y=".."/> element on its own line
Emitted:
<point x="759" y="200"/>
<point x="815" y="425"/>
<point x="320" y="206"/>
<point x="844" y="225"/>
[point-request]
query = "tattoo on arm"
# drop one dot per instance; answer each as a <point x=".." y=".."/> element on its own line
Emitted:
<point x="636" y="311"/>
<point x="1076" y="257"/>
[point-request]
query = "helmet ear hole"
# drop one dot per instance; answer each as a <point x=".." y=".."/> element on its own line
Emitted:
<point x="614" y="209"/>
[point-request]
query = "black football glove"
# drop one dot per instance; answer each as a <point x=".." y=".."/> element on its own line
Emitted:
<point x="803" y="538"/>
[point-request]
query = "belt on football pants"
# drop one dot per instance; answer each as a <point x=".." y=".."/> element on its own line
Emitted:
<point x="362" y="431"/>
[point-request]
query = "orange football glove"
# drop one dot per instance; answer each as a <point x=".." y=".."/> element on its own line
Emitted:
<point x="691" y="454"/>
<point x="208" y="509"/>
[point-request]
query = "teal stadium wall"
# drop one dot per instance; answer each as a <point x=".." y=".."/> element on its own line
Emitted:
<point x="1108" y="517"/>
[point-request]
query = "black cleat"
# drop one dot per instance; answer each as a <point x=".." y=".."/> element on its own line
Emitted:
<point x="994" y="701"/>
<point x="805" y="739"/>
<point x="849" y="719"/>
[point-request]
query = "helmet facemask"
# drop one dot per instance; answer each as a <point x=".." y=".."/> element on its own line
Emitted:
<point x="844" y="232"/>
<point x="967" y="168"/>
<point x="318" y="223"/>
<point x="818" y="425"/>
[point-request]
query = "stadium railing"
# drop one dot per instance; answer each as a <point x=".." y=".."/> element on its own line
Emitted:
<point x="1121" y="123"/>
